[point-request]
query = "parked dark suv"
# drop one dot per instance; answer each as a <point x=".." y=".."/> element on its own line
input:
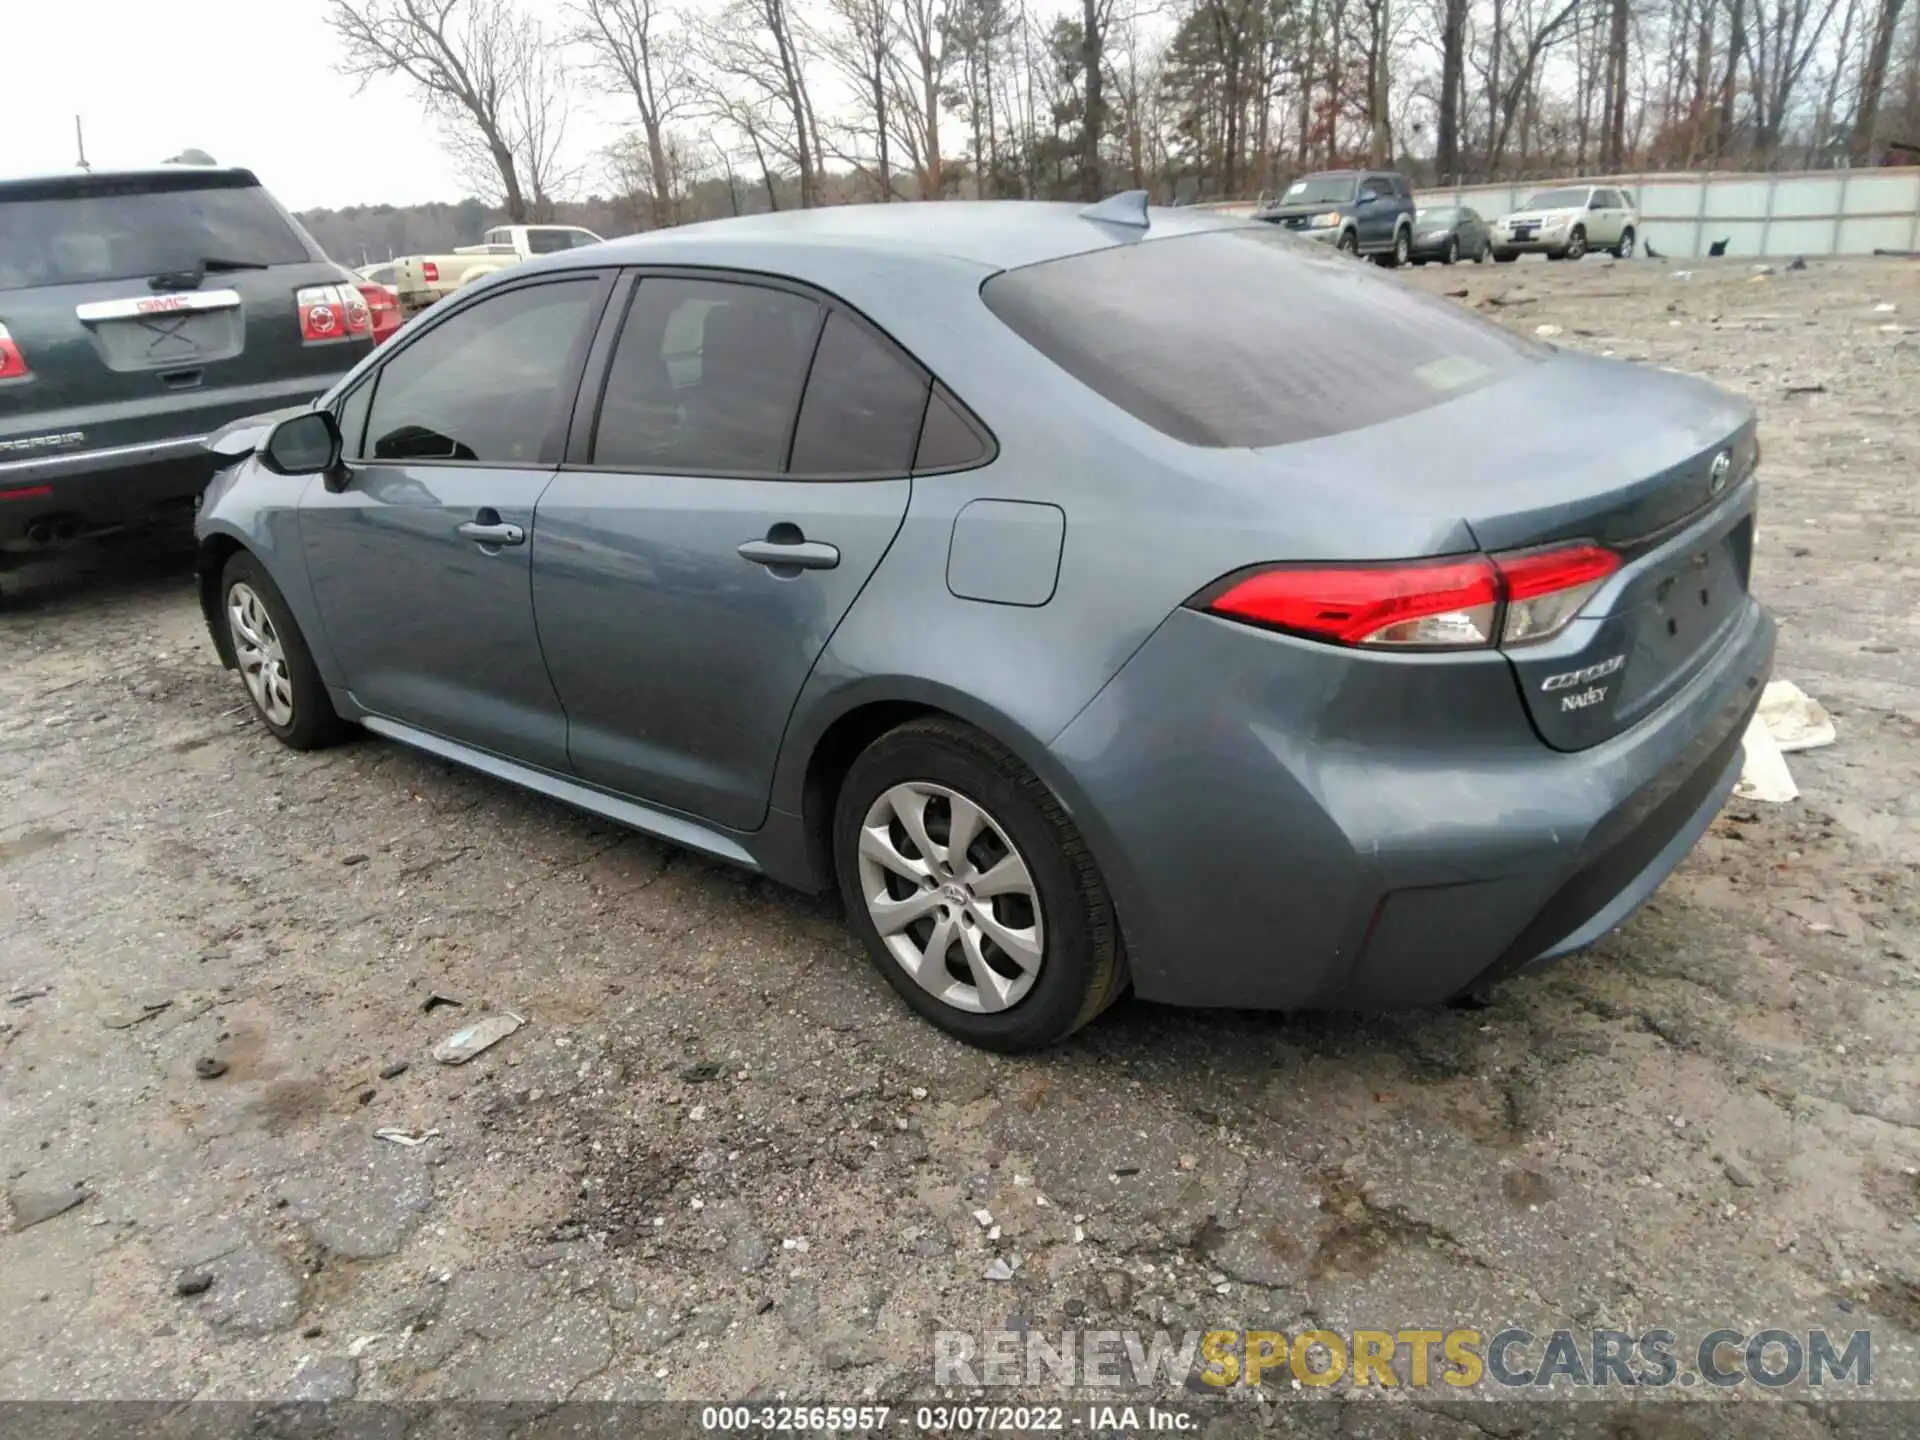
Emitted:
<point x="141" y="310"/>
<point x="1362" y="212"/>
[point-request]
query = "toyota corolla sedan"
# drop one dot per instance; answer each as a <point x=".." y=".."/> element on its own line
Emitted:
<point x="1094" y="599"/>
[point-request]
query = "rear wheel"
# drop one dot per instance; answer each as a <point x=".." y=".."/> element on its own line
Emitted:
<point x="1401" y="252"/>
<point x="1480" y="255"/>
<point x="973" y="891"/>
<point x="1624" y="250"/>
<point x="277" y="668"/>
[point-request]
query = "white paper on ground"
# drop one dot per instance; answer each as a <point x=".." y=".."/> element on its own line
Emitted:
<point x="1764" y="774"/>
<point x="1794" y="718"/>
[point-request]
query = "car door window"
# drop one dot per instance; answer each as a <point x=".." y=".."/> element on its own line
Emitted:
<point x="863" y="406"/>
<point x="706" y="377"/>
<point x="948" y="439"/>
<point x="483" y="385"/>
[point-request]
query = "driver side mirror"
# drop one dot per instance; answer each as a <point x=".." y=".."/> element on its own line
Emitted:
<point x="1367" y="197"/>
<point x="306" y="444"/>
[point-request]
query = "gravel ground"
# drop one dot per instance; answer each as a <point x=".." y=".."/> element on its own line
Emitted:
<point x="719" y="1159"/>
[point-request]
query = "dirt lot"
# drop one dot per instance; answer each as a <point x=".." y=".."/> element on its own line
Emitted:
<point x="720" y="1158"/>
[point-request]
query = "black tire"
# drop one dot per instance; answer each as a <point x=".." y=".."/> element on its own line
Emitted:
<point x="1348" y="243"/>
<point x="313" y="724"/>
<point x="1480" y="255"/>
<point x="1576" y="245"/>
<point x="1505" y="257"/>
<point x="1082" y="968"/>
<point x="1401" y="252"/>
<point x="1452" y="257"/>
<point x="1624" y="250"/>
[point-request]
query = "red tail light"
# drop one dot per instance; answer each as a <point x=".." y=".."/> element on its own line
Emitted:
<point x="384" y="309"/>
<point x="1451" y="604"/>
<point x="332" y="312"/>
<point x="13" y="365"/>
<point x="430" y="272"/>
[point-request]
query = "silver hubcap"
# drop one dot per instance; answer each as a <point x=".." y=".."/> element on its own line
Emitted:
<point x="951" y="897"/>
<point x="263" y="664"/>
<point x="1626" y="248"/>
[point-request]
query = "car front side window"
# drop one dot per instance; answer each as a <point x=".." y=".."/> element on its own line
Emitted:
<point x="482" y="386"/>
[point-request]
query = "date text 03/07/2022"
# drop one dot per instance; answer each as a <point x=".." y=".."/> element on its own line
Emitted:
<point x="947" y="1419"/>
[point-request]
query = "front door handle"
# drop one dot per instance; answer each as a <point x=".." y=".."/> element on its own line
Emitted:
<point x="494" y="533"/>
<point x="791" y="555"/>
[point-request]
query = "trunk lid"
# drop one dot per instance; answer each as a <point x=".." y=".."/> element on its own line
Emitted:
<point x="1654" y="466"/>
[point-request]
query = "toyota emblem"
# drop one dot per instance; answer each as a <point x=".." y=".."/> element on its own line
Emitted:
<point x="1722" y="468"/>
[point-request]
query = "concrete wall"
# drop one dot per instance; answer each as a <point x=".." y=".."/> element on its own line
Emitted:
<point x="1808" y="212"/>
<point x="1814" y="212"/>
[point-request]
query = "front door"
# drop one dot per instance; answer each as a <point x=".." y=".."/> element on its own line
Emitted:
<point x="690" y="570"/>
<point x="420" y="564"/>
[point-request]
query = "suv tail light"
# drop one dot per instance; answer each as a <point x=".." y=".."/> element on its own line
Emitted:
<point x="1459" y="603"/>
<point x="430" y="272"/>
<point x="332" y="312"/>
<point x="13" y="365"/>
<point x="382" y="307"/>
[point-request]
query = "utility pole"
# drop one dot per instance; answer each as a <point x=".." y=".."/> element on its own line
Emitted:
<point x="80" y="143"/>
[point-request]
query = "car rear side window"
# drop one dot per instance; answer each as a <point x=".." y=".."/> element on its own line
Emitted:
<point x="483" y="384"/>
<point x="77" y="232"/>
<point x="863" y="406"/>
<point x="1249" y="337"/>
<point x="706" y="377"/>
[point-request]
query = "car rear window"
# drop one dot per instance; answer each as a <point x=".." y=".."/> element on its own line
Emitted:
<point x="70" y="233"/>
<point x="1250" y="337"/>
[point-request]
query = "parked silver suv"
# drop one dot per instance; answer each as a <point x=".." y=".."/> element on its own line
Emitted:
<point x="1565" y="223"/>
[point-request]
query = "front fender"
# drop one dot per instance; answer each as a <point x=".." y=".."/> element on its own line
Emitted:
<point x="247" y="507"/>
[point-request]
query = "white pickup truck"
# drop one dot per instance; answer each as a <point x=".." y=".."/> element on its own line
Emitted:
<point x="419" y="280"/>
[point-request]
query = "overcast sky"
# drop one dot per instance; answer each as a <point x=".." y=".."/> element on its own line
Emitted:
<point x="251" y="82"/>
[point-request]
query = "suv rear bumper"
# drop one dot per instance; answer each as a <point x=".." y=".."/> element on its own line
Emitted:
<point x="73" y="492"/>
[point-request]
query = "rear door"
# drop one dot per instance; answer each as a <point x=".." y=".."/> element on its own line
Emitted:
<point x="154" y="307"/>
<point x="420" y="563"/>
<point x="723" y="504"/>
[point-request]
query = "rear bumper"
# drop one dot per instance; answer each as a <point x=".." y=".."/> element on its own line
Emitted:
<point x="1321" y="830"/>
<point x="124" y="484"/>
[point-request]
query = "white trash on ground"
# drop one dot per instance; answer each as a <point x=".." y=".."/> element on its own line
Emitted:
<point x="463" y="1045"/>
<point x="1788" y="719"/>
<point x="1795" y="719"/>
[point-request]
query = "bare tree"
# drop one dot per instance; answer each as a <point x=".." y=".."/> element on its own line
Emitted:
<point x="857" y="38"/>
<point x="460" y="56"/>
<point x="638" y="48"/>
<point x="917" y="67"/>
<point x="755" y="78"/>
<point x="1873" y="79"/>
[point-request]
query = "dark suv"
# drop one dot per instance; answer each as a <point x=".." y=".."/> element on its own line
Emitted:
<point x="141" y="310"/>
<point x="1362" y="212"/>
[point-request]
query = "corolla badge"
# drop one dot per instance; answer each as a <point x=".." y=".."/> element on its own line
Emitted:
<point x="1718" y="475"/>
<point x="1567" y="679"/>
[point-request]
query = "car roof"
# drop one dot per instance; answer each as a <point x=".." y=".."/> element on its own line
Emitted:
<point x="974" y="234"/>
<point x="52" y="182"/>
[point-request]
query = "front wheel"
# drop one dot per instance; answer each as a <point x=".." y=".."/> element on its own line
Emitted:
<point x="1505" y="257"/>
<point x="1453" y="250"/>
<point x="972" y="890"/>
<point x="1480" y="255"/>
<point x="272" y="656"/>
<point x="1348" y="243"/>
<point x="1624" y="250"/>
<point x="1576" y="244"/>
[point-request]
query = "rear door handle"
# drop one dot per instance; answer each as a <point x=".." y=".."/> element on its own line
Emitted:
<point x="496" y="533"/>
<point x="795" y="555"/>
